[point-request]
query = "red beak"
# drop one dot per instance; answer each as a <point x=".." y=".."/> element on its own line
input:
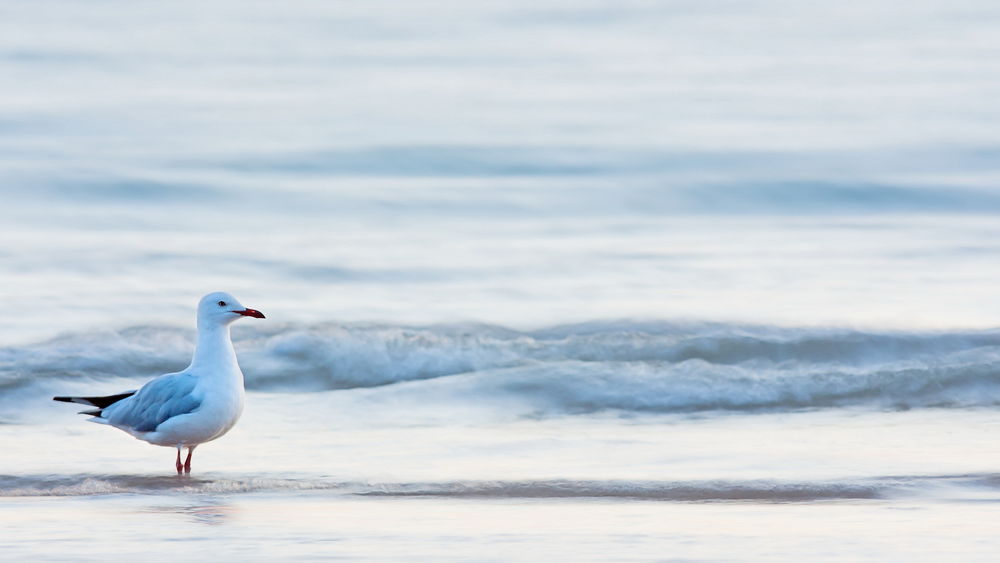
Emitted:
<point x="251" y="313"/>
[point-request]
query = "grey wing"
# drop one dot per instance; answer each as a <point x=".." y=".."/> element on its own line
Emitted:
<point x="159" y="400"/>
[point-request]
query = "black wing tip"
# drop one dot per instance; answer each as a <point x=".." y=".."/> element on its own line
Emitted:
<point x="99" y="402"/>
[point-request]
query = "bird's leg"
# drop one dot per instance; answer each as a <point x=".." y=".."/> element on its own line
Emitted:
<point x="187" y="462"/>
<point x="179" y="466"/>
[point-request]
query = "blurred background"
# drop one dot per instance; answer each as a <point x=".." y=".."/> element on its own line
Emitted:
<point x="520" y="163"/>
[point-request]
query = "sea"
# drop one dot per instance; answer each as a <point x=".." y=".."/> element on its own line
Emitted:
<point x="627" y="280"/>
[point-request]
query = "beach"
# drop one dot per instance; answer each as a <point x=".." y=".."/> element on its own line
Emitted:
<point x="616" y="281"/>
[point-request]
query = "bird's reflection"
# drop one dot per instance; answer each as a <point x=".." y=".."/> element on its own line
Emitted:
<point x="213" y="512"/>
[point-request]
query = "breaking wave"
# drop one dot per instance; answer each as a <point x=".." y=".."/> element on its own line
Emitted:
<point x="626" y="365"/>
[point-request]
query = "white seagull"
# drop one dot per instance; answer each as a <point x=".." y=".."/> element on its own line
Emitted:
<point x="190" y="407"/>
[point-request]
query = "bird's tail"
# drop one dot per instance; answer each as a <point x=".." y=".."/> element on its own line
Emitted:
<point x="99" y="402"/>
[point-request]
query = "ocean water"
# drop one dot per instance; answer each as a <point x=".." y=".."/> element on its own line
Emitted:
<point x="543" y="280"/>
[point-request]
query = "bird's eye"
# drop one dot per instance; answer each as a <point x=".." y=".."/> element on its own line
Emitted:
<point x="222" y="303"/>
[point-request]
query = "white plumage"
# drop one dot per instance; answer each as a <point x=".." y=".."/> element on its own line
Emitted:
<point x="190" y="407"/>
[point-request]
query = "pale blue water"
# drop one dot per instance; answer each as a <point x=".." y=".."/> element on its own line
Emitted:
<point x="600" y="280"/>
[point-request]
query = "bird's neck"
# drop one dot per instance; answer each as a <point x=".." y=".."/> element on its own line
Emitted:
<point x="214" y="352"/>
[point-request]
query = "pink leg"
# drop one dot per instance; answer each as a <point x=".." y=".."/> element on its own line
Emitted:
<point x="187" y="462"/>
<point x="179" y="466"/>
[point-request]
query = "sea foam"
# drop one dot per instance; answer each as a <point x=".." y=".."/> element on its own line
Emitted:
<point x="624" y="365"/>
<point x="751" y="490"/>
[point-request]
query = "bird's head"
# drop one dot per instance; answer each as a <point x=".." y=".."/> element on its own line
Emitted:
<point x="221" y="308"/>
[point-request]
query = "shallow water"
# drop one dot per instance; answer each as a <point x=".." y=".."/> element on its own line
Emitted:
<point x="603" y="281"/>
<point x="819" y="484"/>
<point x="319" y="527"/>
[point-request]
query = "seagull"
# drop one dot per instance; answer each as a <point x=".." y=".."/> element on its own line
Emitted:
<point x="190" y="407"/>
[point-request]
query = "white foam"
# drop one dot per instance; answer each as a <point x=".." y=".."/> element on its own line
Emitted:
<point x="618" y="366"/>
<point x="765" y="491"/>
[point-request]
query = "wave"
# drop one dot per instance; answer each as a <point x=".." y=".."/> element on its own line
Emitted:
<point x="98" y="484"/>
<point x="764" y="491"/>
<point x="103" y="484"/>
<point x="545" y="181"/>
<point x="624" y="365"/>
<point x="712" y="491"/>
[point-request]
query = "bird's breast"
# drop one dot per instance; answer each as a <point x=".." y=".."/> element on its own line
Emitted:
<point x="222" y="405"/>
